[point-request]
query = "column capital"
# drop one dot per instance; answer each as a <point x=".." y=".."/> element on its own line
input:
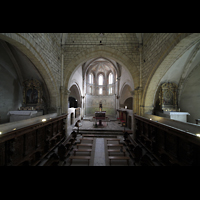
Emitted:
<point x="64" y="90"/>
<point x="67" y="92"/>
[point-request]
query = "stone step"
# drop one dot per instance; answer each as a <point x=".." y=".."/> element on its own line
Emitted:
<point x="102" y="133"/>
<point x="101" y="130"/>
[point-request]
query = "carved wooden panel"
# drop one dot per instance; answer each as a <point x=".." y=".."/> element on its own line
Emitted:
<point x="171" y="146"/>
<point x="2" y="154"/>
<point x="40" y="137"/>
<point x="28" y="145"/>
<point x="55" y="128"/>
<point x="30" y="142"/>
<point x="17" y="146"/>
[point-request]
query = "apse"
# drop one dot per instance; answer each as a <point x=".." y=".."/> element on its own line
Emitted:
<point x="101" y="80"/>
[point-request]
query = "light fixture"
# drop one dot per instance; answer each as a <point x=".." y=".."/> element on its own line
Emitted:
<point x="44" y="120"/>
<point x="198" y="135"/>
<point x="0" y="133"/>
<point x="14" y="129"/>
<point x="125" y="107"/>
<point x="150" y="119"/>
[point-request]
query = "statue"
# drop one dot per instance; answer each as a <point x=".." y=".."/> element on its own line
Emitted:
<point x="100" y="106"/>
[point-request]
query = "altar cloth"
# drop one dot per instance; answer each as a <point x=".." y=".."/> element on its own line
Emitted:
<point x="21" y="112"/>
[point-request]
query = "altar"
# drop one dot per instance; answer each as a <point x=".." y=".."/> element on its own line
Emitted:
<point x="17" y="115"/>
<point x="180" y="116"/>
<point x="100" y="116"/>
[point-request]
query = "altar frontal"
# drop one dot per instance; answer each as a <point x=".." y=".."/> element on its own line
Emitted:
<point x="100" y="116"/>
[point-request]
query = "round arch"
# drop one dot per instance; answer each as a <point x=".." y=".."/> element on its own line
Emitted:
<point x="29" y="48"/>
<point x="101" y="51"/>
<point x="177" y="48"/>
<point x="76" y="93"/>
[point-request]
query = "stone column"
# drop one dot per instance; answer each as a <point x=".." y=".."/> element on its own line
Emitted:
<point x="64" y="99"/>
<point x="135" y="101"/>
<point x="140" y="106"/>
<point x="82" y="107"/>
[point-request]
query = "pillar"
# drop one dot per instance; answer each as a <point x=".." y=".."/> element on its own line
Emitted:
<point x="82" y="107"/>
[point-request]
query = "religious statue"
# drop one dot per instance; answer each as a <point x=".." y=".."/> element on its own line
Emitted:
<point x="100" y="106"/>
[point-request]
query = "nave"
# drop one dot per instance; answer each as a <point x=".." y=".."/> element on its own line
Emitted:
<point x="100" y="147"/>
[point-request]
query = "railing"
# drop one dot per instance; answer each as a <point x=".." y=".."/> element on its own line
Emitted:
<point x="30" y="144"/>
<point x="171" y="146"/>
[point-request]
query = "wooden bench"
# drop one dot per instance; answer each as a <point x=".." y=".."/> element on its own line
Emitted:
<point x="113" y="139"/>
<point x="80" y="158"/>
<point x="87" y="145"/>
<point x="118" y="158"/>
<point x="82" y="150"/>
<point x="91" y="139"/>
<point x="88" y="135"/>
<point x="114" y="145"/>
<point x="116" y="150"/>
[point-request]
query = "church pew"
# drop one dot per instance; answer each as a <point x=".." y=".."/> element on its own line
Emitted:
<point x="53" y="160"/>
<point x="84" y="144"/>
<point x="89" y="139"/>
<point x="66" y="146"/>
<point x="29" y="145"/>
<point x="82" y="150"/>
<point x="118" y="158"/>
<point x="114" y="145"/>
<point x="116" y="150"/>
<point x="80" y="158"/>
<point x="88" y="135"/>
<point x="112" y="139"/>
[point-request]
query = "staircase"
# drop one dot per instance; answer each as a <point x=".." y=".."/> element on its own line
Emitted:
<point x="101" y="133"/>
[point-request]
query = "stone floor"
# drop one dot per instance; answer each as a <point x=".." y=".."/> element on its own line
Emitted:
<point x="99" y="154"/>
<point x="113" y="124"/>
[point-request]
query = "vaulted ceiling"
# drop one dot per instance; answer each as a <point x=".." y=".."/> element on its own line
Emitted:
<point x="101" y="65"/>
<point x="101" y="38"/>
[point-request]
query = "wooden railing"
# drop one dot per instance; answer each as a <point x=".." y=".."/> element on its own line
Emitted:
<point x="169" y="145"/>
<point x="29" y="145"/>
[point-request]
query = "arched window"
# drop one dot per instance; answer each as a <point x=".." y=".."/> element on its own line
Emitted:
<point x="90" y="90"/>
<point x="110" y="90"/>
<point x="91" y="78"/>
<point x="100" y="90"/>
<point x="110" y="78"/>
<point x="100" y="79"/>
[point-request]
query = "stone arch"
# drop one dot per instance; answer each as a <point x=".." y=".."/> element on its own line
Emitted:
<point x="177" y="48"/>
<point x="28" y="47"/>
<point x="77" y="90"/>
<point x="105" y="52"/>
<point x="125" y="86"/>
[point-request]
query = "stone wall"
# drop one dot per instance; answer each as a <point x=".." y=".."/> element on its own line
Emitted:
<point x="160" y="51"/>
<point x="11" y="94"/>
<point x="44" y="51"/>
<point x="108" y="104"/>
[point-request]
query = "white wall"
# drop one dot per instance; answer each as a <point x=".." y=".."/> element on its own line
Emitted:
<point x="190" y="95"/>
<point x="126" y="86"/>
<point x="77" y="78"/>
<point x="69" y="125"/>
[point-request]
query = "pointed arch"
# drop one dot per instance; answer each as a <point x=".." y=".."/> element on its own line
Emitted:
<point x="177" y="48"/>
